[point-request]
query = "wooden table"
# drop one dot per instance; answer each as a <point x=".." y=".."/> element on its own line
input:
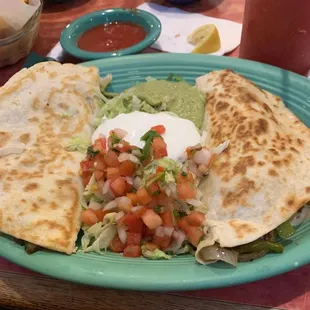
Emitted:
<point x="23" y="289"/>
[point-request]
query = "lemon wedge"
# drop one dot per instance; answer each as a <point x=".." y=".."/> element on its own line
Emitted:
<point x="206" y="39"/>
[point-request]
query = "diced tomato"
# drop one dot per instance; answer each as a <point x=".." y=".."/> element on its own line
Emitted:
<point x="153" y="189"/>
<point x="159" y="148"/>
<point x="85" y="180"/>
<point x="160" y="129"/>
<point x="129" y="187"/>
<point x="151" y="246"/>
<point x="89" y="217"/>
<point x="183" y="224"/>
<point x="127" y="168"/>
<point x="153" y="203"/>
<point x="168" y="219"/>
<point x="195" y="218"/>
<point x="133" y="198"/>
<point x="116" y="245"/>
<point x="122" y="146"/>
<point x="132" y="251"/>
<point x="147" y="232"/>
<point x="100" y="144"/>
<point x="111" y="159"/>
<point x="160" y="169"/>
<point x="99" y="163"/>
<point x="151" y="219"/>
<point x="99" y="175"/>
<point x="194" y="235"/>
<point x="143" y="196"/>
<point x="186" y="190"/>
<point x="86" y="165"/>
<point x="118" y="187"/>
<point x="113" y="173"/>
<point x="138" y="213"/>
<point x="163" y="200"/>
<point x="100" y="214"/>
<point x="162" y="242"/>
<point x="133" y="238"/>
<point x="131" y="223"/>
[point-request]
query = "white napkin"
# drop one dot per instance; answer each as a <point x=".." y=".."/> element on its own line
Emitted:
<point x="16" y="13"/>
<point x="178" y="24"/>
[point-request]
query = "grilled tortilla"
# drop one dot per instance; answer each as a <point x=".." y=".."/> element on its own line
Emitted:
<point x="263" y="177"/>
<point x="41" y="109"/>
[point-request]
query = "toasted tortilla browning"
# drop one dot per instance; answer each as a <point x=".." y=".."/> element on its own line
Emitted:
<point x="263" y="177"/>
<point x="41" y="109"/>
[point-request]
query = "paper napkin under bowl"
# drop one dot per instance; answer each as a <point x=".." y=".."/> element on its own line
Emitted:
<point x="178" y="24"/>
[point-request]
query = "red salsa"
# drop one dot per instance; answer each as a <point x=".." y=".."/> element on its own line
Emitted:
<point x="111" y="37"/>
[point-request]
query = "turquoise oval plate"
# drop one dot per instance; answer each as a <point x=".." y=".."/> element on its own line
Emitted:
<point x="180" y="273"/>
<point x="70" y="35"/>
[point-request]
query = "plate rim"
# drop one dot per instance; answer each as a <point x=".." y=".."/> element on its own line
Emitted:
<point x="20" y="258"/>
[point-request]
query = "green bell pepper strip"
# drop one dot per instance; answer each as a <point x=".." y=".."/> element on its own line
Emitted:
<point x="259" y="245"/>
<point x="286" y="230"/>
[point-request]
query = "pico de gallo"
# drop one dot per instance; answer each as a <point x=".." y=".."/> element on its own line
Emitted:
<point x="138" y="201"/>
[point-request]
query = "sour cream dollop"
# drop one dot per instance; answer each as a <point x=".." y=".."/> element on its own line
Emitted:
<point x="180" y="133"/>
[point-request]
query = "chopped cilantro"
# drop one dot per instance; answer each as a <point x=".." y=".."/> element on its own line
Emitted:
<point x="157" y="209"/>
<point x="156" y="193"/>
<point x="148" y="138"/>
<point x="155" y="178"/>
<point x="184" y="174"/>
<point x="115" y="139"/>
<point x="175" y="78"/>
<point x="91" y="152"/>
<point x="176" y="214"/>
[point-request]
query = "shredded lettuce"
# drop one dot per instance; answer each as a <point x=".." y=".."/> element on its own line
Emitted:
<point x="79" y="144"/>
<point x="102" y="234"/>
<point x="104" y="82"/>
<point x="170" y="166"/>
<point x="90" y="188"/>
<point x="156" y="254"/>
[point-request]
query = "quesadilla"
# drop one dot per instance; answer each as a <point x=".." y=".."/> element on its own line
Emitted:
<point x="263" y="177"/>
<point x="41" y="110"/>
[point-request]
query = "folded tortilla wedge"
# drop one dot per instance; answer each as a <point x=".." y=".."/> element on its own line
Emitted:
<point x="263" y="177"/>
<point x="41" y="109"/>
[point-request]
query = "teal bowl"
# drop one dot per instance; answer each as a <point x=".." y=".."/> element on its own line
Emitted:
<point x="70" y="35"/>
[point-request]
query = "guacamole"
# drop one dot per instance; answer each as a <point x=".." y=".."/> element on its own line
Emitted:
<point x="160" y="95"/>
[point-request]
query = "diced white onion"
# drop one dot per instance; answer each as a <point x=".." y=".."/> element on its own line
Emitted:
<point x="136" y="152"/>
<point x="95" y="205"/>
<point x="129" y="180"/>
<point x="122" y="201"/>
<point x="122" y="234"/>
<point x="160" y="231"/>
<point x="193" y="168"/>
<point x="199" y="194"/>
<point x="203" y="156"/>
<point x="130" y="157"/>
<point x="120" y="132"/>
<point x="168" y="231"/>
<point x="106" y="187"/>
<point x="110" y="205"/>
<point x="137" y="182"/>
<point x="119" y="215"/>
<point x="178" y="239"/>
<point x="135" y="209"/>
<point x="221" y="147"/>
<point x="194" y="202"/>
